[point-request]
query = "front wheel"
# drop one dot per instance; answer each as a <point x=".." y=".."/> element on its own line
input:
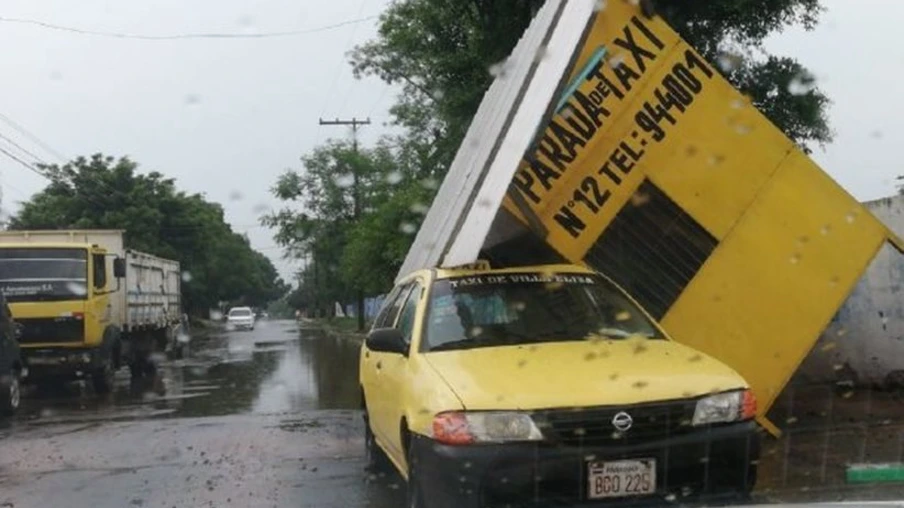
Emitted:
<point x="10" y="393"/>
<point x="103" y="378"/>
<point x="415" y="494"/>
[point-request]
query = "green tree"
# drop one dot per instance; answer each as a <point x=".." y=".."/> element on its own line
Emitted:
<point x="334" y="220"/>
<point x="107" y="193"/>
<point x="440" y="52"/>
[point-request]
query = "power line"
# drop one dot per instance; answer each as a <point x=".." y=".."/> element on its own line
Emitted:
<point x="27" y="165"/>
<point x="212" y="35"/>
<point x="21" y="148"/>
<point x="22" y="130"/>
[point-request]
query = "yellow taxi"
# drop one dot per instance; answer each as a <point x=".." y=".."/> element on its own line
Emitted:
<point x="546" y="384"/>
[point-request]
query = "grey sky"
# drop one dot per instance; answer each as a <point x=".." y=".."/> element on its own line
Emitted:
<point x="226" y="117"/>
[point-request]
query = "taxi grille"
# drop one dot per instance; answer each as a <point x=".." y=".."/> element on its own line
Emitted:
<point x="594" y="427"/>
<point x="60" y="329"/>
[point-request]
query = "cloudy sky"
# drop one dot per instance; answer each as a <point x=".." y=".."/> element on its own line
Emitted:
<point x="226" y="116"/>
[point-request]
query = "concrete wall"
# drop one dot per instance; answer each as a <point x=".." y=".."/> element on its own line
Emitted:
<point x="864" y="343"/>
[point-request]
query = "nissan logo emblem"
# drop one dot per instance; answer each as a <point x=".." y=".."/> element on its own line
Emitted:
<point x="622" y="421"/>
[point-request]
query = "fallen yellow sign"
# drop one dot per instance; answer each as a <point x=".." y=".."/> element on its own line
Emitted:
<point x="653" y="169"/>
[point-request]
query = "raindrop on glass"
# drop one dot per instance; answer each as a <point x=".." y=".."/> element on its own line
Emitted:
<point x="260" y="208"/>
<point x="590" y="356"/>
<point x="394" y="177"/>
<point x="419" y="208"/>
<point x="801" y="84"/>
<point x="617" y="60"/>
<point x="640" y="199"/>
<point x="877" y="134"/>
<point x="77" y="288"/>
<point x="344" y="180"/>
<point x="430" y="183"/>
<point x="849" y="218"/>
<point x="599" y="5"/>
<point x="541" y="53"/>
<point x="216" y="315"/>
<point x="408" y="228"/>
<point x="737" y="104"/>
<point x="235" y="195"/>
<point x="715" y="160"/>
<point x="825" y="230"/>
<point x="695" y="358"/>
<point x="56" y="76"/>
<point x="639" y="385"/>
<point x="795" y="258"/>
<point x="186" y="276"/>
<point x="743" y="129"/>
<point x="498" y="70"/>
<point x="728" y="61"/>
<point x="623" y="316"/>
<point x="192" y="99"/>
<point x="671" y="498"/>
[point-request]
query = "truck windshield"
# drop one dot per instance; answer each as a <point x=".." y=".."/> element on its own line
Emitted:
<point x="524" y="308"/>
<point x="43" y="274"/>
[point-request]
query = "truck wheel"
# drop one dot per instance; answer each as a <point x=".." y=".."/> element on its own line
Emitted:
<point x="10" y="393"/>
<point x="103" y="379"/>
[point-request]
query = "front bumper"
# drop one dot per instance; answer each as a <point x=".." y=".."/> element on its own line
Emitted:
<point x="240" y="325"/>
<point x="705" y="464"/>
<point x="61" y="362"/>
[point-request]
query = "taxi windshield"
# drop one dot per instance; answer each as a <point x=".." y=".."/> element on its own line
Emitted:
<point x="527" y="308"/>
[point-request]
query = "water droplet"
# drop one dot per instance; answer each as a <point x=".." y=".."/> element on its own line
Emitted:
<point x="77" y="288"/>
<point x="876" y="134"/>
<point x="579" y="431"/>
<point x="715" y="160"/>
<point x="849" y="218"/>
<point x="260" y="208"/>
<point x="795" y="258"/>
<point x="394" y="177"/>
<point x="833" y="281"/>
<point x="847" y="394"/>
<point x="522" y="363"/>
<point x="216" y="315"/>
<point x="599" y="5"/>
<point x="519" y="306"/>
<point x="476" y="331"/>
<point x="192" y="99"/>
<point x="235" y="195"/>
<point x="743" y="129"/>
<point x="56" y="75"/>
<point x="553" y="286"/>
<point x="801" y="84"/>
<point x="671" y="498"/>
<point x="728" y="61"/>
<point x="437" y="95"/>
<point x="485" y="203"/>
<point x="617" y="60"/>
<point x="639" y="385"/>
<point x="695" y="358"/>
<point x="430" y="183"/>
<point x="590" y="356"/>
<point x="541" y="53"/>
<point x="640" y="199"/>
<point x="408" y="228"/>
<point x="623" y="316"/>
<point x="613" y="376"/>
<point x="47" y="413"/>
<point x="344" y="180"/>
<point x="829" y="346"/>
<point x="791" y="420"/>
<point x="841" y="332"/>
<point x="186" y="276"/>
<point x="246" y="21"/>
<point x="419" y="208"/>
<point x="640" y="348"/>
<point x="498" y="69"/>
<point x="825" y="230"/>
<point x="737" y="104"/>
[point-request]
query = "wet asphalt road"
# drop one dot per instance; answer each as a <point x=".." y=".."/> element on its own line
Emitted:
<point x="250" y="418"/>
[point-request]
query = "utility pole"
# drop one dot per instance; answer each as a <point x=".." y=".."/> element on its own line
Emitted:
<point x="356" y="195"/>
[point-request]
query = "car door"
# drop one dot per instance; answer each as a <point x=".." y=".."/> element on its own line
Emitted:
<point x="372" y="373"/>
<point x="396" y="380"/>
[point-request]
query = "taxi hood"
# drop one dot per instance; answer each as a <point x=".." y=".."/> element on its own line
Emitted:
<point x="580" y="373"/>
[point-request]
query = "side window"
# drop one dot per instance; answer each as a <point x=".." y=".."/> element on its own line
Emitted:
<point x="406" y="320"/>
<point x="391" y="308"/>
<point x="100" y="271"/>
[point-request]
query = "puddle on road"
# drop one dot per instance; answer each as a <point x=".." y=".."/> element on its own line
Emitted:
<point x="272" y="369"/>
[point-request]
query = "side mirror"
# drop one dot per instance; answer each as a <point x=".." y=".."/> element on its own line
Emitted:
<point x="119" y="268"/>
<point x="386" y="340"/>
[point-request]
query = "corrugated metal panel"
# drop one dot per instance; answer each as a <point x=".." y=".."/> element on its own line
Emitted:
<point x="453" y="230"/>
<point x="152" y="290"/>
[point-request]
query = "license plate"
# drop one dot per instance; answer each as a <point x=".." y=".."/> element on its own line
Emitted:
<point x="621" y="478"/>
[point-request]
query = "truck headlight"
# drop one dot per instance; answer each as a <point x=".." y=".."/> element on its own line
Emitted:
<point x="725" y="407"/>
<point x="459" y="427"/>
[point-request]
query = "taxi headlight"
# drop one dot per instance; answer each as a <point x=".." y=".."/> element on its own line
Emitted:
<point x="725" y="407"/>
<point x="459" y="427"/>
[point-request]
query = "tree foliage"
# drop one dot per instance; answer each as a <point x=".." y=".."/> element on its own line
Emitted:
<point x="102" y="192"/>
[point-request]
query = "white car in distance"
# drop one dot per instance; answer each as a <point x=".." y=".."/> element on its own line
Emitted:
<point x="240" y="318"/>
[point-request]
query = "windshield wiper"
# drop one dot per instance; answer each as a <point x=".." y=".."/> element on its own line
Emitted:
<point x="455" y="344"/>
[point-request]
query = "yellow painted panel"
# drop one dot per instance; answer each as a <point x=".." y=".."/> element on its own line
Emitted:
<point x="773" y="284"/>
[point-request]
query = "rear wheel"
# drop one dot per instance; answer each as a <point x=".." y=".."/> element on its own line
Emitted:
<point x="10" y="393"/>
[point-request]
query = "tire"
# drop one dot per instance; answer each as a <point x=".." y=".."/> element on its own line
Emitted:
<point x="415" y="497"/>
<point x="102" y="379"/>
<point x="10" y="394"/>
<point x="377" y="461"/>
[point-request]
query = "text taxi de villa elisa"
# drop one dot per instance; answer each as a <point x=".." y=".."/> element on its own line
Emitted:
<point x="583" y="115"/>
